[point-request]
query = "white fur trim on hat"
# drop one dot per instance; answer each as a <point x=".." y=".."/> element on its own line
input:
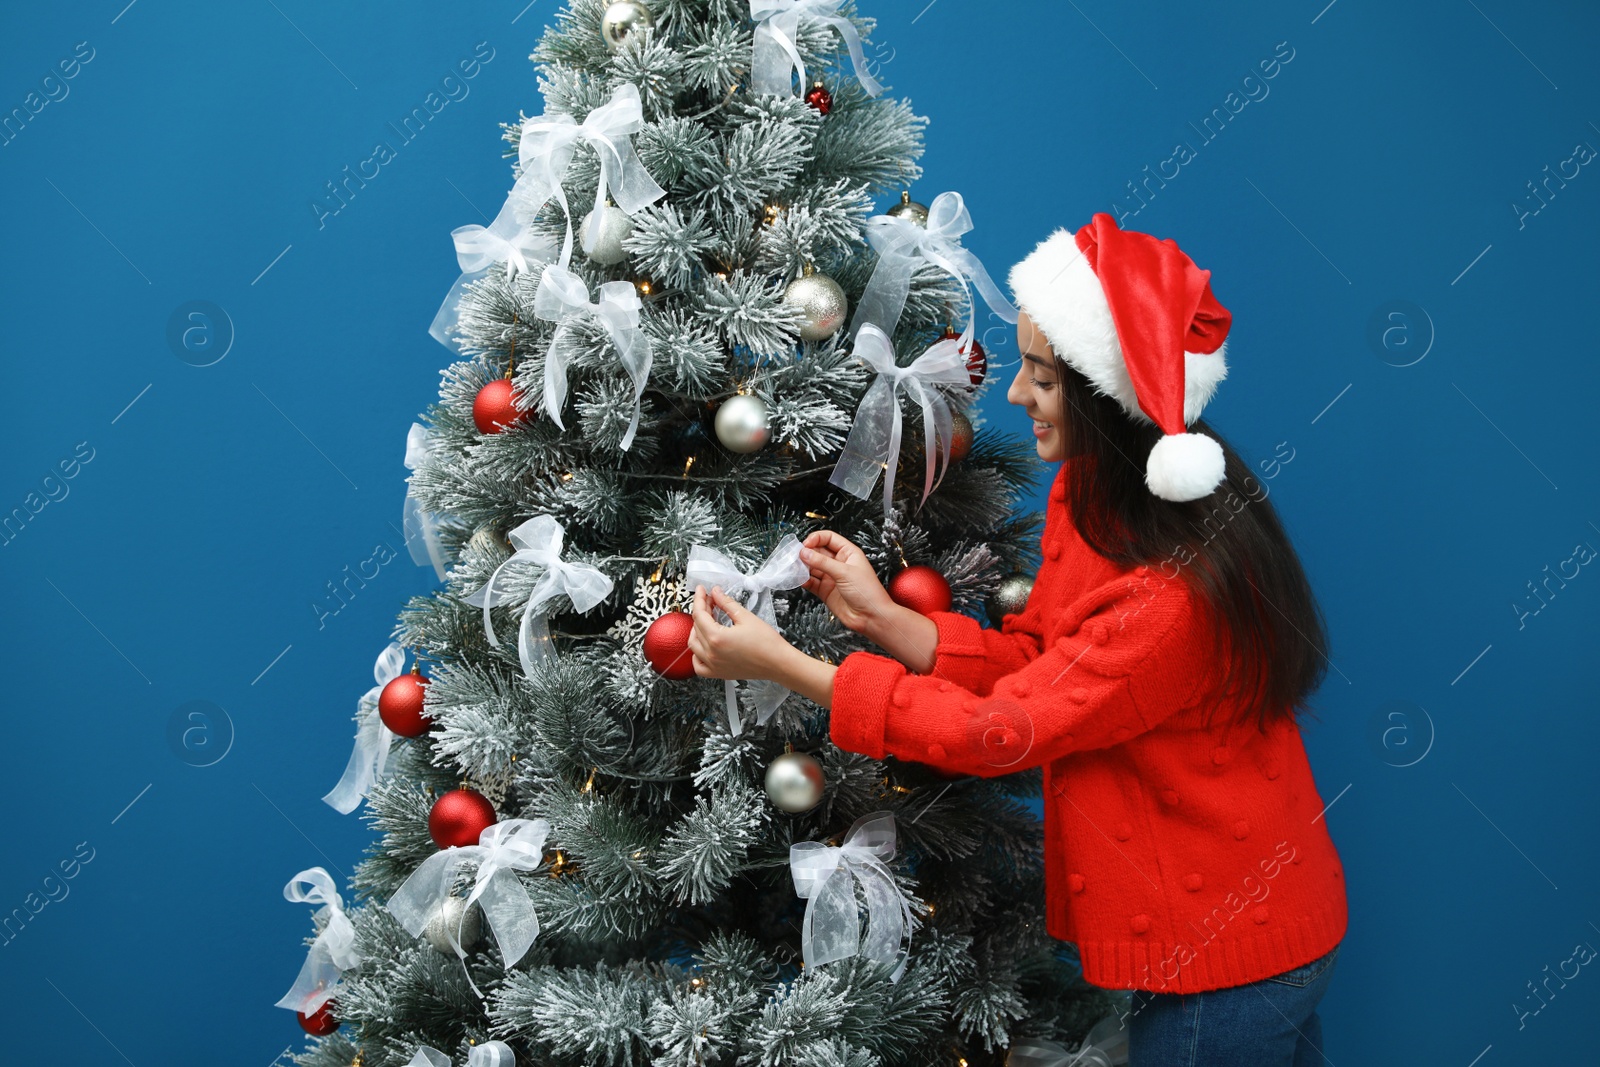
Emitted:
<point x="1060" y="292"/>
<point x="1184" y="466"/>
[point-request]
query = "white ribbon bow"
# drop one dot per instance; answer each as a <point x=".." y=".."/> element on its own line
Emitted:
<point x="1106" y="1045"/>
<point x="774" y="57"/>
<point x="503" y="849"/>
<point x="546" y="148"/>
<point x="901" y="243"/>
<point x="562" y="296"/>
<point x="505" y="240"/>
<point x="421" y="527"/>
<point x="539" y="541"/>
<point x="332" y="953"/>
<point x="488" y="1054"/>
<point x="826" y="878"/>
<point x="874" y="439"/>
<point x="782" y="570"/>
<point x="373" y="738"/>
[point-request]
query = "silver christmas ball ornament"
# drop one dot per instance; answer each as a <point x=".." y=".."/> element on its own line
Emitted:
<point x="1010" y="598"/>
<point x="908" y="208"/>
<point x="622" y="19"/>
<point x="448" y="920"/>
<point x="489" y="545"/>
<point x="603" y="236"/>
<point x="822" y="301"/>
<point x="794" y="782"/>
<point x="741" y="423"/>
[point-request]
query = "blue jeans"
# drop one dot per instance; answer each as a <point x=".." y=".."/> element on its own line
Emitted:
<point x="1270" y="1023"/>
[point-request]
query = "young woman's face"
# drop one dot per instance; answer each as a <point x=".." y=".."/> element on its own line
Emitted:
<point x="1036" y="390"/>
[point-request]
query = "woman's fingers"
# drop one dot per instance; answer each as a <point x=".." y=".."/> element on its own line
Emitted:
<point x="829" y="542"/>
<point x="828" y="565"/>
<point x="729" y="605"/>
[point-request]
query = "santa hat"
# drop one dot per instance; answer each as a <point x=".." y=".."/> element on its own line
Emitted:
<point x="1136" y="317"/>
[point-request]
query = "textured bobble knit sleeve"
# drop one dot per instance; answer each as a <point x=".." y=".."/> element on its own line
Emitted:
<point x="1129" y="654"/>
<point x="975" y="657"/>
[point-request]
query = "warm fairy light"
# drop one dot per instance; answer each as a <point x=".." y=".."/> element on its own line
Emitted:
<point x="644" y="286"/>
<point x="687" y="464"/>
<point x="588" y="787"/>
<point x="638" y="853"/>
<point x="566" y="476"/>
<point x="722" y="274"/>
<point x="816" y="515"/>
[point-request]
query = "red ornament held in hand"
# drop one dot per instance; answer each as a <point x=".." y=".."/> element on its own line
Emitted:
<point x="459" y="817"/>
<point x="666" y="645"/>
<point x="922" y="589"/>
<point x="319" y="1023"/>
<point x="400" y="704"/>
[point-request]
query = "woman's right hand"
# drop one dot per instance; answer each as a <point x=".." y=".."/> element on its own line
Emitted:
<point x="842" y="579"/>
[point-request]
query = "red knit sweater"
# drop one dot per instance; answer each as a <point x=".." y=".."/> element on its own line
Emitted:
<point x="1179" y="857"/>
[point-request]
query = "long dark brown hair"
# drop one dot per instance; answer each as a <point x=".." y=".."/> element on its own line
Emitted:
<point x="1229" y="547"/>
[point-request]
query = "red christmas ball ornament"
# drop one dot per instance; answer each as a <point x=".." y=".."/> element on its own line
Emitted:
<point x="459" y="817"/>
<point x="977" y="359"/>
<point x="666" y="645"/>
<point x="400" y="705"/>
<point x="495" y="407"/>
<point x="819" y="97"/>
<point x="922" y="589"/>
<point x="319" y="1023"/>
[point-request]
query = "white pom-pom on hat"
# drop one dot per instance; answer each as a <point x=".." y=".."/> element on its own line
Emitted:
<point x="1184" y="466"/>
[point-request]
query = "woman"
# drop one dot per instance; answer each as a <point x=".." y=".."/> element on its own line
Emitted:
<point x="1155" y="673"/>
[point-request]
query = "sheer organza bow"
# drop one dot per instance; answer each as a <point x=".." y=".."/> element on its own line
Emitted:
<point x="903" y="246"/>
<point x="561" y="297"/>
<point x="1106" y="1045"/>
<point x="538" y="541"/>
<point x="774" y="56"/>
<point x="373" y="738"/>
<point x="874" y="440"/>
<point x="546" y="147"/>
<point x="488" y="1054"/>
<point x="421" y="527"/>
<point x="478" y="248"/>
<point x="827" y="876"/>
<point x="783" y="570"/>
<point x="334" y="950"/>
<point x="502" y="850"/>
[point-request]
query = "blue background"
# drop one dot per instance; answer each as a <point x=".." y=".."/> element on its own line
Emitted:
<point x="1457" y="741"/>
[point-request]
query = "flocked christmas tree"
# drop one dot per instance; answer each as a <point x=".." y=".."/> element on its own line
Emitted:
<point x="686" y="340"/>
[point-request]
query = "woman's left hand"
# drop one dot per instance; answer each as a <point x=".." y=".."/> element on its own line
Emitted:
<point x="749" y="649"/>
